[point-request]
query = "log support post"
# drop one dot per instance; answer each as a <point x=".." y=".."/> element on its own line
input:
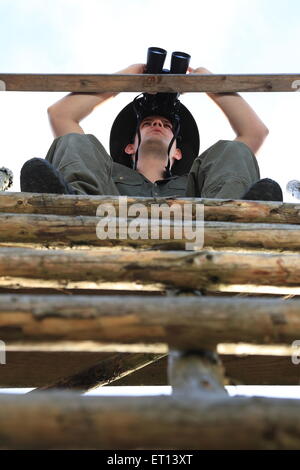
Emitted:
<point x="195" y="372"/>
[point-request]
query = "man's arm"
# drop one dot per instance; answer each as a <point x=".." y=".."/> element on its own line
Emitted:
<point x="66" y="114"/>
<point x="247" y="126"/>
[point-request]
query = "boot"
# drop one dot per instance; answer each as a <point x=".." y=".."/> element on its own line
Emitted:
<point x="39" y="176"/>
<point x="264" y="190"/>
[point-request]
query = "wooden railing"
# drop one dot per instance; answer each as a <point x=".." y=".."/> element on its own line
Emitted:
<point x="214" y="83"/>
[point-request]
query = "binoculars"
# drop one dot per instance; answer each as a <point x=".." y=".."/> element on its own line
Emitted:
<point x="166" y="104"/>
<point x="156" y="58"/>
<point x="161" y="104"/>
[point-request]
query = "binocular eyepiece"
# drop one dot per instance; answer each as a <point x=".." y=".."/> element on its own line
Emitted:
<point x="156" y="58"/>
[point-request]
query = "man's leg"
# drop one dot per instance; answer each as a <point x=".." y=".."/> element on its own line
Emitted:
<point x="224" y="171"/>
<point x="83" y="163"/>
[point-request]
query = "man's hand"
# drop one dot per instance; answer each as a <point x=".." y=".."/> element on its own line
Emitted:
<point x="247" y="126"/>
<point x="200" y="70"/>
<point x="66" y="114"/>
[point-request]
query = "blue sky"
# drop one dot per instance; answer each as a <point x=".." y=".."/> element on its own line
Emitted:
<point x="72" y="36"/>
<point x="69" y="36"/>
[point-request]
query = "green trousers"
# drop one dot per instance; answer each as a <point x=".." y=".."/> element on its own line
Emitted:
<point x="226" y="171"/>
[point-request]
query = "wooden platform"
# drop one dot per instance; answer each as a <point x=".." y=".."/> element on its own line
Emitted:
<point x="77" y="312"/>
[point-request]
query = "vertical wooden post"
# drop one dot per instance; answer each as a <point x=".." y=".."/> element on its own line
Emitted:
<point x="195" y="372"/>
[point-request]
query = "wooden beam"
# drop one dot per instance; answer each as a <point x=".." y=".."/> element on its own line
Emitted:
<point x="190" y="323"/>
<point x="64" y="420"/>
<point x="225" y="210"/>
<point x="103" y="373"/>
<point x="150" y="83"/>
<point x="211" y="270"/>
<point x="55" y="230"/>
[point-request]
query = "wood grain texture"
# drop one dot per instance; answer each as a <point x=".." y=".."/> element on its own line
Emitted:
<point x="186" y="323"/>
<point x="64" y="420"/>
<point x="149" y="83"/>
<point x="214" y="209"/>
<point x="55" y="230"/>
<point x="177" y="269"/>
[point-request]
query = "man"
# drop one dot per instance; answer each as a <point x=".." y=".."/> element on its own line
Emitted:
<point x="147" y="157"/>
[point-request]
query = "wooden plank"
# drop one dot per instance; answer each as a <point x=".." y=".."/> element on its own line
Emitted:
<point x="211" y="270"/>
<point x="150" y="83"/>
<point x="214" y="209"/>
<point x="54" y="230"/>
<point x="185" y="323"/>
<point x="65" y="420"/>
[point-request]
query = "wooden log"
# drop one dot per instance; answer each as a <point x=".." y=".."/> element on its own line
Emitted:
<point x="79" y="346"/>
<point x="54" y="230"/>
<point x="194" y="373"/>
<point x="226" y="210"/>
<point x="103" y="373"/>
<point x="182" y="322"/>
<point x="214" y="83"/>
<point x="65" y="420"/>
<point x="212" y="270"/>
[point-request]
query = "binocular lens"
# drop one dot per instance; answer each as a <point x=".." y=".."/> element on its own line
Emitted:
<point x="155" y="60"/>
<point x="179" y="62"/>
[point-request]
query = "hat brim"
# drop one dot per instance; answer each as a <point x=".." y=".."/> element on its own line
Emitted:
<point x="124" y="128"/>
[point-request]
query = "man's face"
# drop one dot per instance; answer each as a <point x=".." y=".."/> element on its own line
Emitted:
<point x="156" y="127"/>
<point x="156" y="135"/>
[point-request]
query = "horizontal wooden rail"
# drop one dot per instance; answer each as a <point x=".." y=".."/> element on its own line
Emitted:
<point x="64" y="420"/>
<point x="150" y="83"/>
<point x="214" y="209"/>
<point x="69" y="231"/>
<point x="211" y="270"/>
<point x="184" y="322"/>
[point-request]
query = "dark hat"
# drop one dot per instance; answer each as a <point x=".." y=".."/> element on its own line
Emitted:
<point x="124" y="129"/>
